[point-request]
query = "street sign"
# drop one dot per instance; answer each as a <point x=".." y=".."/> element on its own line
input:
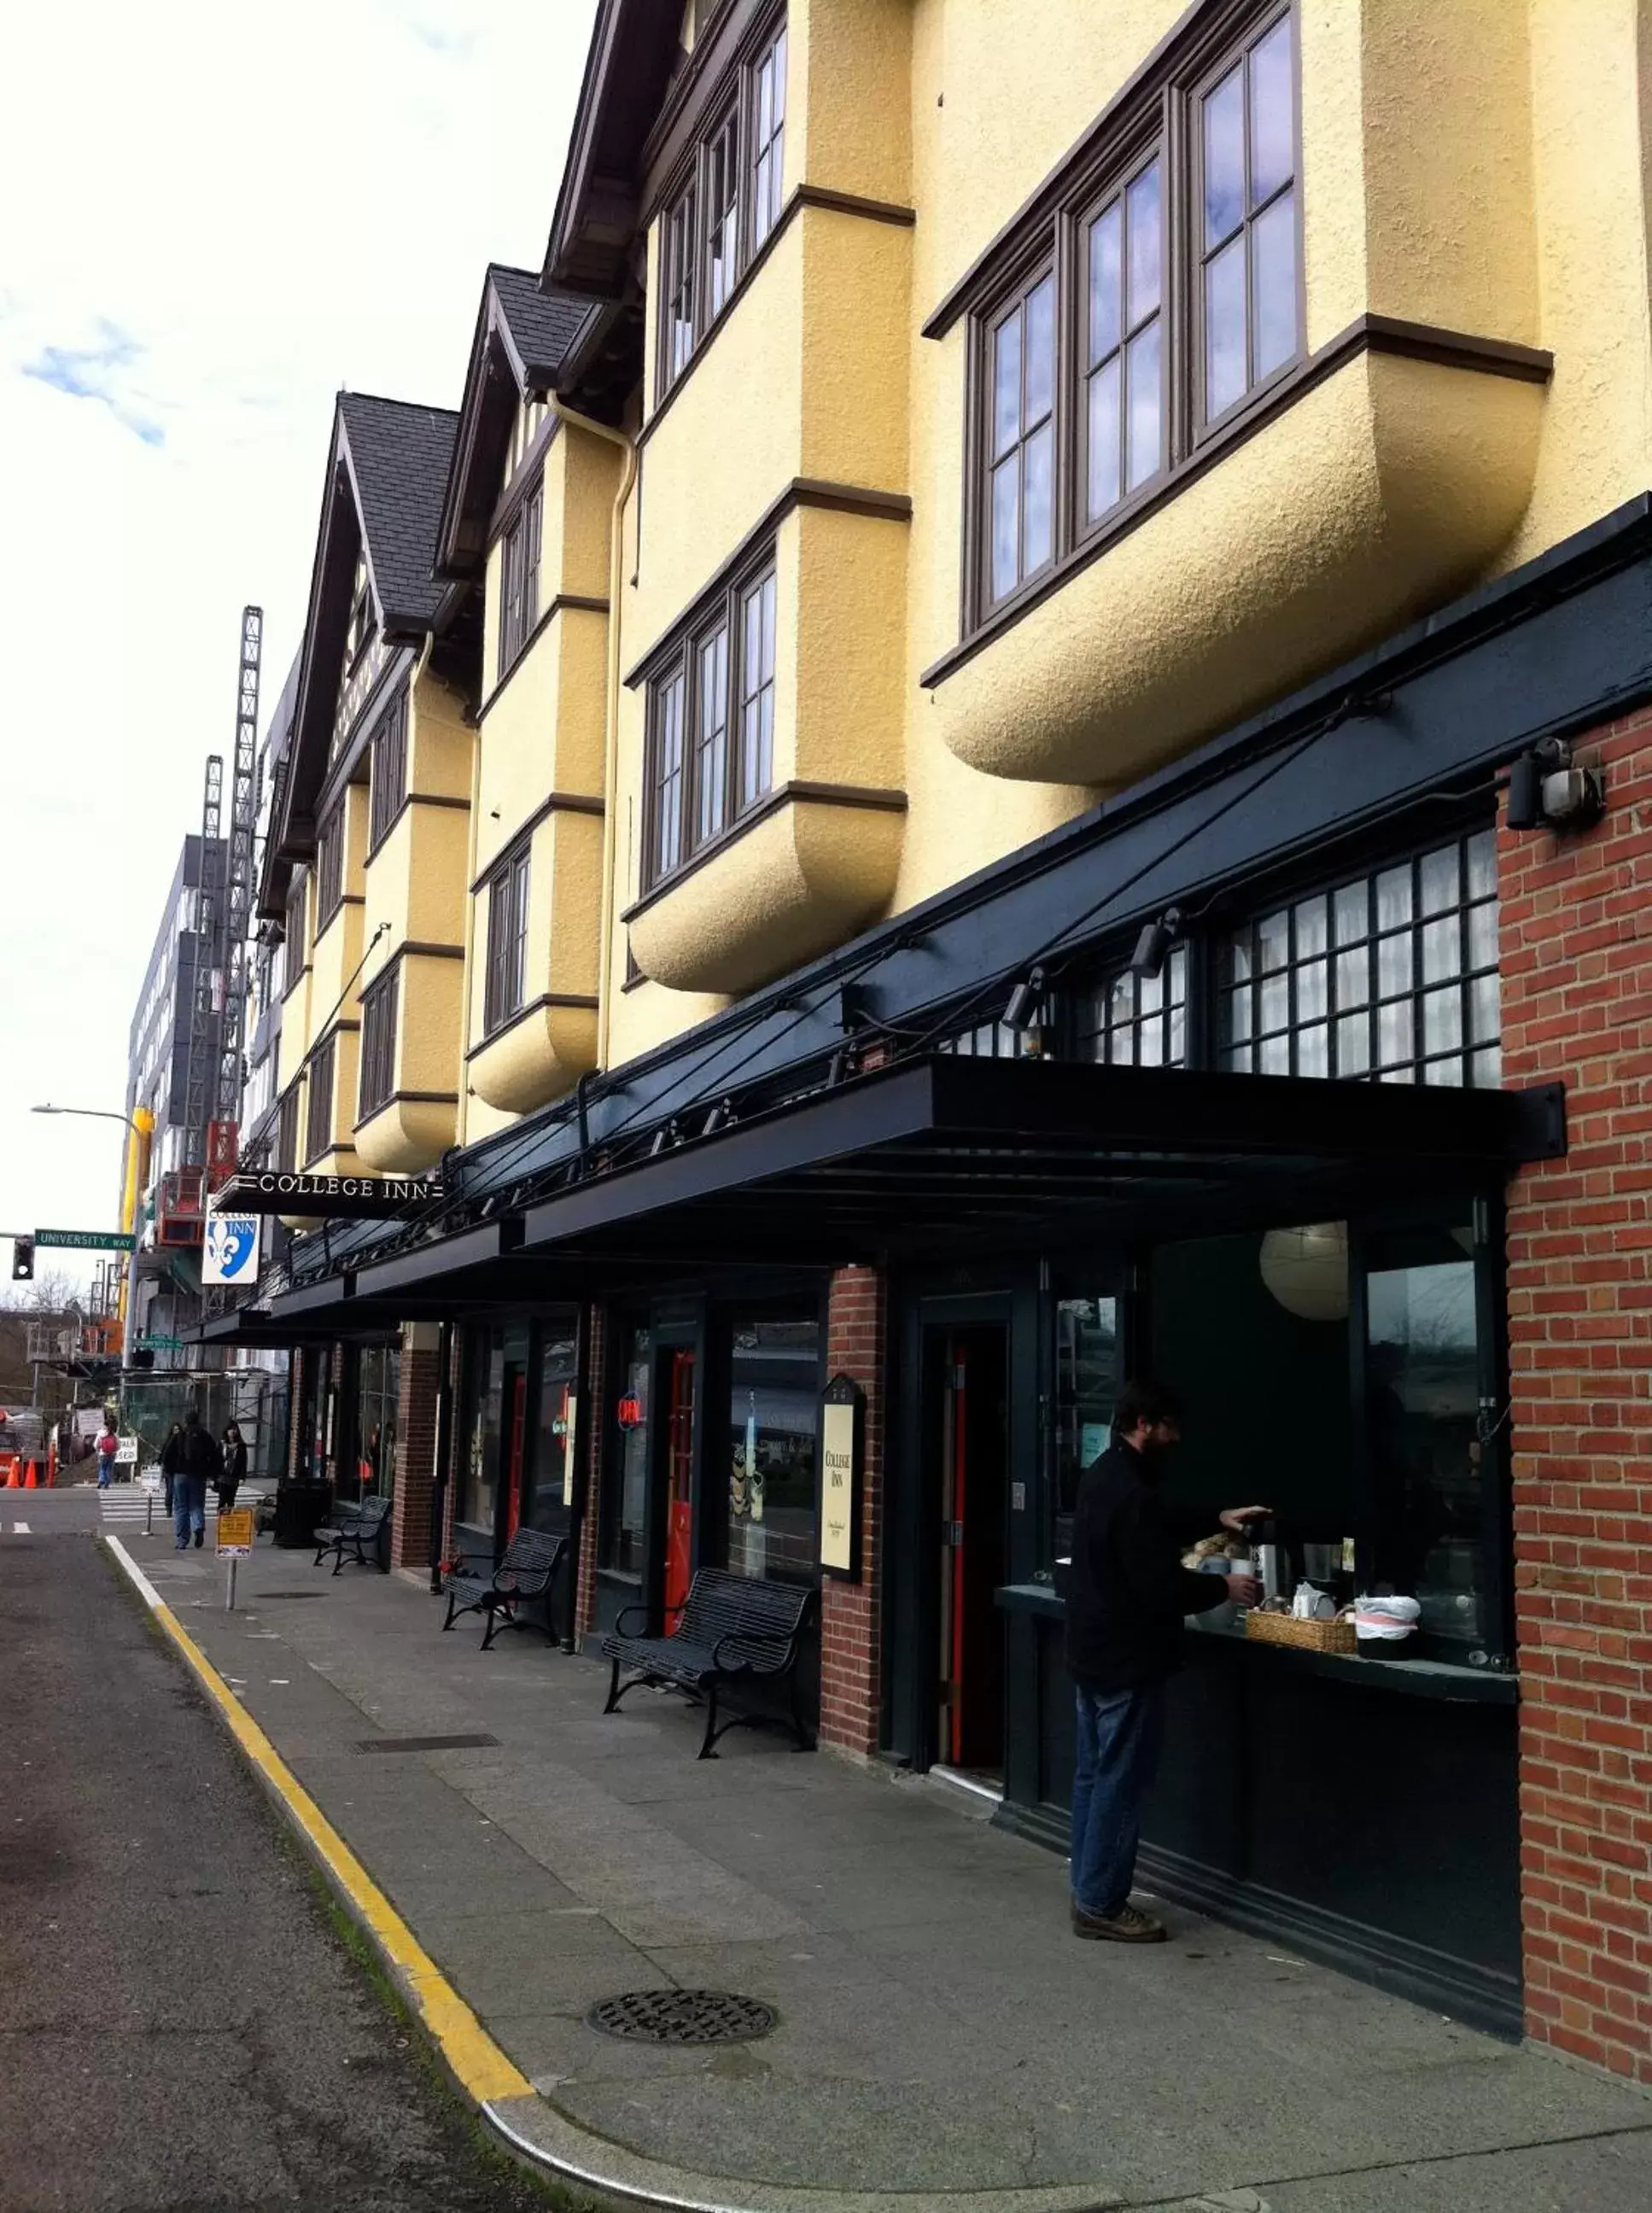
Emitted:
<point x="126" y="1452"/>
<point x="161" y="1344"/>
<point x="236" y="1535"/>
<point x="87" y="1241"/>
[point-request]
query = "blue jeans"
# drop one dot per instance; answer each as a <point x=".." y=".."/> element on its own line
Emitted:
<point x="106" y="1470"/>
<point x="188" y="1506"/>
<point x="1118" y="1739"/>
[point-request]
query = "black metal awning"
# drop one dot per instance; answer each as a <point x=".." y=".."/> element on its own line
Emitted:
<point x="947" y="1152"/>
<point x="936" y="1157"/>
<point x="323" y="1315"/>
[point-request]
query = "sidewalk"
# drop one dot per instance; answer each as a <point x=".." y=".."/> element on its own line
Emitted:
<point x="941" y="2031"/>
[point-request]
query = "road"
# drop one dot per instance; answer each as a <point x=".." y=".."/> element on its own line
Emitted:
<point x="181" y="2026"/>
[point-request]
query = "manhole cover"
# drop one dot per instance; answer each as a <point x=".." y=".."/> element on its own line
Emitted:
<point x="682" y="2017"/>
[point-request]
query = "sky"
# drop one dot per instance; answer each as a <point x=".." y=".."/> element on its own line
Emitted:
<point x="211" y="219"/>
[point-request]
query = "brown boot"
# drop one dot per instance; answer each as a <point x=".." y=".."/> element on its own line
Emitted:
<point x="1130" y="1925"/>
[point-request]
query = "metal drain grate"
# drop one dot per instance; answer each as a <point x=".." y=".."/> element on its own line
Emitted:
<point x="263" y="1594"/>
<point x="682" y="2017"/>
<point x="423" y="1743"/>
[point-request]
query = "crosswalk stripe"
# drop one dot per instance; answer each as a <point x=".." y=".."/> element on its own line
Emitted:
<point x="20" y="1529"/>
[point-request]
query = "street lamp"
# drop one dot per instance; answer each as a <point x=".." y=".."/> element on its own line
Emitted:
<point x="92" y="1113"/>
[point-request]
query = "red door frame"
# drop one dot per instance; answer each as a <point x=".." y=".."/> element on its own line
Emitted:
<point x="679" y="1444"/>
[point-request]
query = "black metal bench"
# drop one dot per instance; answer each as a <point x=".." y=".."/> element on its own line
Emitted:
<point x="526" y="1571"/>
<point x="349" y="1533"/>
<point x="731" y="1630"/>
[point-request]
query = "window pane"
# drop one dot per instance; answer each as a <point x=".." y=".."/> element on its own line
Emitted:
<point x="1106" y="320"/>
<point x="1394" y="1034"/>
<point x="1006" y="502"/>
<point x="1354" y="977"/>
<point x="1354" y="1045"/>
<point x="1311" y="929"/>
<point x="1442" y="950"/>
<point x="1484" y="1012"/>
<point x="1273" y="284"/>
<point x="1224" y="157"/>
<point x="711" y="767"/>
<point x="1442" y="1020"/>
<point x="1144" y="257"/>
<point x="1276" y="1003"/>
<point x="1104" y="480"/>
<point x="1239" y="1015"/>
<point x="1145" y="408"/>
<point x="1353" y="911"/>
<point x="1482" y="937"/>
<point x="1483" y="864"/>
<point x="1272" y="156"/>
<point x="1036" y="525"/>
<point x="1313" y="1050"/>
<point x="1424" y="1402"/>
<point x="1486" y="1069"/>
<point x="1274" y="1058"/>
<point x="1394" y="964"/>
<point x="1393" y="898"/>
<point x="1311" y="991"/>
<point x="1273" y="940"/>
<point x="1225" y="328"/>
<point x="1007" y="384"/>
<point x="1040" y="350"/>
<point x="1439" y="881"/>
<point x="773" y="1418"/>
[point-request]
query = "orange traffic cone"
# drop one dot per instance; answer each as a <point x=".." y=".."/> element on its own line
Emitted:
<point x="10" y="1482"/>
<point x="30" y="1481"/>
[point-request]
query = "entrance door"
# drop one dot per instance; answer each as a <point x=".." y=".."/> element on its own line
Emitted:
<point x="974" y="1499"/>
<point x="680" y="1472"/>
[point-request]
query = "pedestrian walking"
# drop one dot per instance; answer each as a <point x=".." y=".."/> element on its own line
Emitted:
<point x="196" y="1461"/>
<point x="108" y="1445"/>
<point x="232" y="1473"/>
<point x="1127" y="1595"/>
<point x="169" y="1460"/>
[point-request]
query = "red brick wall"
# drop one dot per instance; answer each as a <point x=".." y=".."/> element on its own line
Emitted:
<point x="415" y="1481"/>
<point x="850" y="1613"/>
<point x="592" y="1413"/>
<point x="1576" y="922"/>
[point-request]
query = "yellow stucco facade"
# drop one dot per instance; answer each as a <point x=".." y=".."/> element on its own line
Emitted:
<point x="1472" y="383"/>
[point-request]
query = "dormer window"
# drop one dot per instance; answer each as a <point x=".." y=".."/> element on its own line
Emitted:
<point x="518" y="577"/>
<point x="361" y="625"/>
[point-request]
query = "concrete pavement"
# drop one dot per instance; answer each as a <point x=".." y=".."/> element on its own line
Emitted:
<point x="939" y="2031"/>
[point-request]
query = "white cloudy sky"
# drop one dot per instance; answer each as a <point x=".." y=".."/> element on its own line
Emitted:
<point x="212" y="217"/>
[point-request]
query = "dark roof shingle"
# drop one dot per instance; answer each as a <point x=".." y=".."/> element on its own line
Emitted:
<point x="543" y="325"/>
<point x="400" y="455"/>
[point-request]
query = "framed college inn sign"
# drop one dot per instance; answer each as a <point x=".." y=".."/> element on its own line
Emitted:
<point x="842" y="1437"/>
<point x="359" y="1198"/>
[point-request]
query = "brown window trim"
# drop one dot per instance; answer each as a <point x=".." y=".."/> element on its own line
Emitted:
<point x="408" y="1099"/>
<point x="417" y="799"/>
<point x="521" y="553"/>
<point x="1378" y="334"/>
<point x="526" y="475"/>
<point x="801" y="197"/>
<point x="383" y="993"/>
<point x="585" y="1000"/>
<point x="500" y="878"/>
<point x="802" y="492"/>
<point x="564" y="603"/>
<point x="398" y="710"/>
<point x="795" y="794"/>
<point x="558" y="803"/>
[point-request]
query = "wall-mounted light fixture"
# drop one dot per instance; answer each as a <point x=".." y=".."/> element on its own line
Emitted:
<point x="719" y="1119"/>
<point x="1153" y="946"/>
<point x="1548" y="789"/>
<point x="1023" y="1007"/>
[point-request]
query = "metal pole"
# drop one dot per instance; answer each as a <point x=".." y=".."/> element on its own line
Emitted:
<point x="230" y="1602"/>
<point x="148" y="1515"/>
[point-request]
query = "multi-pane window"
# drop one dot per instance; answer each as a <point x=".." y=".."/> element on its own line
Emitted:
<point x="292" y="966"/>
<point x="726" y="204"/>
<point x="378" y="1079"/>
<point x="1140" y="1022"/>
<point x="1392" y="975"/>
<point x="768" y="136"/>
<point x="1023" y="452"/>
<point x="507" y="967"/>
<point x="1247" y="216"/>
<point x="286" y="1141"/>
<point x="519" y="578"/>
<point x="1123" y="415"/>
<point x="702" y="773"/>
<point x="318" y="1121"/>
<point x="329" y="866"/>
<point x="389" y="770"/>
<point x="1163" y="295"/>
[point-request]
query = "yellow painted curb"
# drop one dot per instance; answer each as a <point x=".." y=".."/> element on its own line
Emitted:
<point x="483" y="2070"/>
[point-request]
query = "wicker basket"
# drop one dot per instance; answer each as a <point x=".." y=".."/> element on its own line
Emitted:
<point x="1307" y="1636"/>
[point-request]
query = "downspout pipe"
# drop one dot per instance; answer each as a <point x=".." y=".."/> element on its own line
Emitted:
<point x="610" y="736"/>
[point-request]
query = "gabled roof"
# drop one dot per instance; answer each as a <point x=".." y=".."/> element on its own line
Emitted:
<point x="386" y="470"/>
<point x="636" y="50"/>
<point x="523" y="335"/>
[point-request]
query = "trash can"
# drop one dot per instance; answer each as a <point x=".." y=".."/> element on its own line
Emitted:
<point x="300" y="1508"/>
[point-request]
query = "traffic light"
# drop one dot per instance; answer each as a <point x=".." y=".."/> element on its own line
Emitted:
<point x="22" y="1260"/>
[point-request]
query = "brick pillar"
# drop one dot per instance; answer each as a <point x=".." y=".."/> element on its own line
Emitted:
<point x="851" y="1677"/>
<point x="418" y="1385"/>
<point x="592" y="1412"/>
<point x="1576" y="955"/>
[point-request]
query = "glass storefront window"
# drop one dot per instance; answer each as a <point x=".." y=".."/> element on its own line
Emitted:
<point x="1423" y="1408"/>
<point x="1086" y="1387"/>
<point x="623" y="1550"/>
<point x="377" y="1387"/>
<point x="475" y="1494"/>
<point x="770" y="1445"/>
<point x="544" y="1508"/>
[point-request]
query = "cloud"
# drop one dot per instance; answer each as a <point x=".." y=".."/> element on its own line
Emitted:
<point x="93" y="372"/>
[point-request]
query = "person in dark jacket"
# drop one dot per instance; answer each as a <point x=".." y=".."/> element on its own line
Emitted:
<point x="192" y="1460"/>
<point x="232" y="1473"/>
<point x="1127" y="1593"/>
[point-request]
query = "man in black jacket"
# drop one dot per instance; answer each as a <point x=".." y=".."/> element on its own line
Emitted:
<point x="192" y="1458"/>
<point x="1127" y="1593"/>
